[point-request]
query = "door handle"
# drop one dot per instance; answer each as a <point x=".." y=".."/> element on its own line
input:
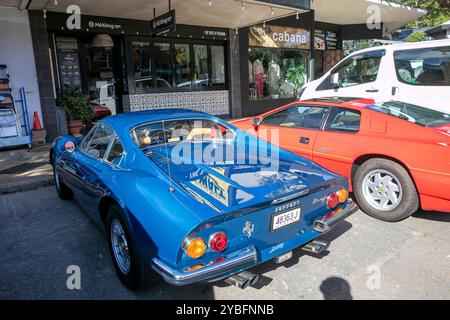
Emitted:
<point x="304" y="140"/>
<point x="373" y="90"/>
<point x="395" y="90"/>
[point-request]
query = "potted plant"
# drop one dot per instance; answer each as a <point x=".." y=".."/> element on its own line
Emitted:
<point x="296" y="77"/>
<point x="77" y="107"/>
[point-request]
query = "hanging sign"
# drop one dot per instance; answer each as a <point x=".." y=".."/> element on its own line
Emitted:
<point x="163" y="24"/>
<point x="319" y="40"/>
<point x="279" y="37"/>
<point x="332" y="40"/>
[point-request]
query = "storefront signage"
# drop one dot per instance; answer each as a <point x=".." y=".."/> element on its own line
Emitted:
<point x="319" y="40"/>
<point x="104" y="25"/>
<point x="163" y="24"/>
<point x="332" y="40"/>
<point x="279" y="37"/>
<point x="68" y="61"/>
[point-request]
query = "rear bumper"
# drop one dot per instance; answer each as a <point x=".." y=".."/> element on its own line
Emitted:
<point x="237" y="261"/>
<point x="241" y="259"/>
<point x="323" y="226"/>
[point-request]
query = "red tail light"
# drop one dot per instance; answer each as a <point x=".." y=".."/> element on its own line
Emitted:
<point x="218" y="242"/>
<point x="332" y="201"/>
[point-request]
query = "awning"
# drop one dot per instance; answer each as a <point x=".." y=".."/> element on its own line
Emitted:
<point x="236" y="13"/>
<point x="393" y="15"/>
<point x="214" y="13"/>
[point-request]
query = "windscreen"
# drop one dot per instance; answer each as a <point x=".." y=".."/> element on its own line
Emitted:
<point x="175" y="131"/>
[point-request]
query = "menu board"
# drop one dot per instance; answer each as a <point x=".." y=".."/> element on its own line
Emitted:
<point x="331" y="40"/>
<point x="68" y="62"/>
<point x="319" y="40"/>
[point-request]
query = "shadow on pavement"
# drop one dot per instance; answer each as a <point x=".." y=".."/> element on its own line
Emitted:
<point x="335" y="288"/>
<point x="433" y="216"/>
<point x="335" y="233"/>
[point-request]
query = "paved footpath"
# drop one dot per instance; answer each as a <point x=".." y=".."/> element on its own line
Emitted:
<point x="368" y="259"/>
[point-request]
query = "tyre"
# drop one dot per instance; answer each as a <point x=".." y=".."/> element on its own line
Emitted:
<point x="385" y="190"/>
<point x="63" y="191"/>
<point x="126" y="261"/>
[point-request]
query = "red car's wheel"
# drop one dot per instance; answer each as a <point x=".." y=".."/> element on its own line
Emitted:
<point x="385" y="191"/>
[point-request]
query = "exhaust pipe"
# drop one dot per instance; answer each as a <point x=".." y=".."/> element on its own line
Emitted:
<point x="316" y="247"/>
<point x="243" y="280"/>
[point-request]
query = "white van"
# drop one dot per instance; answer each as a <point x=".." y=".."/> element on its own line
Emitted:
<point x="416" y="73"/>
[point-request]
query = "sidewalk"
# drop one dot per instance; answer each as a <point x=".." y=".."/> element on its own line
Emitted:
<point x="22" y="170"/>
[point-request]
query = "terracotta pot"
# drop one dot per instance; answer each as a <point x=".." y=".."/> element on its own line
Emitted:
<point x="74" y="127"/>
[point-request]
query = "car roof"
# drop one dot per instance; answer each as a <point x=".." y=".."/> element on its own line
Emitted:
<point x="406" y="45"/>
<point x="132" y="119"/>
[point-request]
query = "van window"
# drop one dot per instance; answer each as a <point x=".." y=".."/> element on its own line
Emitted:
<point x="423" y="67"/>
<point x="355" y="70"/>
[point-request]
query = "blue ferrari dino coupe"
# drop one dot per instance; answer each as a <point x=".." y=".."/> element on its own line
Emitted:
<point x="190" y="198"/>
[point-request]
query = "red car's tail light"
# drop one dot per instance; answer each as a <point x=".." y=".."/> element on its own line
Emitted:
<point x="218" y="242"/>
<point x="332" y="201"/>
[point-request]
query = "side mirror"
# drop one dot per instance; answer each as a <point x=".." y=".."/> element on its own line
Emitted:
<point x="334" y="80"/>
<point x="69" y="146"/>
<point x="256" y="123"/>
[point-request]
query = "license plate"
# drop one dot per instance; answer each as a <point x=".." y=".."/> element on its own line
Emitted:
<point x="285" y="219"/>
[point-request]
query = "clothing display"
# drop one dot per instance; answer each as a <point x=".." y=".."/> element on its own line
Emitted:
<point x="258" y="70"/>
<point x="274" y="78"/>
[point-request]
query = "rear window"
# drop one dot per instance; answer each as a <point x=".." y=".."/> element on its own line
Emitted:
<point x="423" y="67"/>
<point x="174" y="131"/>
<point x="415" y="114"/>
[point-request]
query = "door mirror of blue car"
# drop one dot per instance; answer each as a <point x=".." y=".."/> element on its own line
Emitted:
<point x="256" y="123"/>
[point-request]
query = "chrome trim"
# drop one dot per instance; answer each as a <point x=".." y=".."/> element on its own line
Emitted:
<point x="244" y="257"/>
<point x="291" y="197"/>
<point x="323" y="226"/>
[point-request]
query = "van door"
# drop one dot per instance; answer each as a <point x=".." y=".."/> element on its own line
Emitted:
<point x="359" y="75"/>
<point x="423" y="77"/>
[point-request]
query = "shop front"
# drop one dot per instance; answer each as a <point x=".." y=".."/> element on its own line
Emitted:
<point x="279" y="57"/>
<point x="120" y="64"/>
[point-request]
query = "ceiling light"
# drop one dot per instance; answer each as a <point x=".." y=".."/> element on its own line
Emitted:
<point x="45" y="13"/>
<point x="55" y="3"/>
<point x="298" y="16"/>
<point x="273" y="11"/>
<point x="243" y="6"/>
<point x="210" y="3"/>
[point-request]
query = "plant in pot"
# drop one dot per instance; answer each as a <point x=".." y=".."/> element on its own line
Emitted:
<point x="296" y="76"/>
<point x="77" y="108"/>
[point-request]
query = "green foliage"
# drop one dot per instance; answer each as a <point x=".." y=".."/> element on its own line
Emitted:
<point x="296" y="77"/>
<point x="416" y="37"/>
<point x="75" y="104"/>
<point x="436" y="15"/>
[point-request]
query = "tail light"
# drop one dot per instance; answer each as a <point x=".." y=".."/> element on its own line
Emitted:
<point x="195" y="248"/>
<point x="218" y="242"/>
<point x="332" y="201"/>
<point x="342" y="195"/>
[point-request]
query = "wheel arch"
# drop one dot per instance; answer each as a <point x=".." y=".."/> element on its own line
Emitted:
<point x="364" y="158"/>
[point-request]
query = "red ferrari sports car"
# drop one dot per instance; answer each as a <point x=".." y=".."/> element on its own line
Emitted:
<point x="395" y="155"/>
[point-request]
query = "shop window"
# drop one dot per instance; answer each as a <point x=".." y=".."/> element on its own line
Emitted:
<point x="142" y="65"/>
<point x="218" y="65"/>
<point x="163" y="65"/>
<point x="182" y="66"/>
<point x="276" y="73"/>
<point x="423" y="67"/>
<point x="201" y="74"/>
